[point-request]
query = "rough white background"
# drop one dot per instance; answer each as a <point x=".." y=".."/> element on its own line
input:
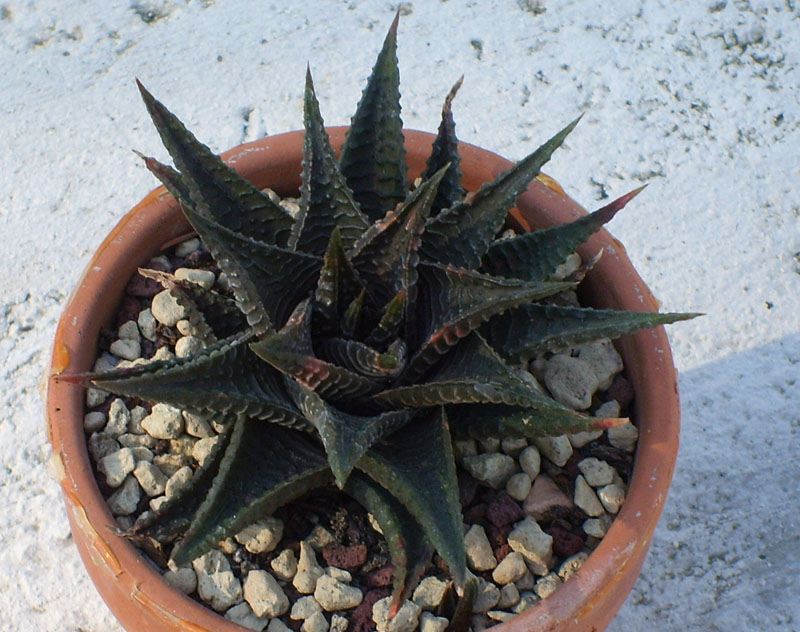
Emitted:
<point x="699" y="98"/>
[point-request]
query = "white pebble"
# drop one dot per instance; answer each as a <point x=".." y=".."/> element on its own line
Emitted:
<point x="216" y="583"/>
<point x="320" y="537"/>
<point x="116" y="466"/>
<point x="489" y="444"/>
<point x="509" y="596"/>
<point x="536" y="546"/>
<point x="197" y="426"/>
<point x="493" y="469"/>
<point x="612" y="496"/>
<point x="276" y="625"/>
<point x="152" y="480"/>
<point x="315" y="623"/>
<point x="556" y="449"/>
<point x="166" y="310"/>
<point x="119" y="418"/>
<point x="178" y="481"/>
<point x="405" y="620"/>
<point x="303" y="608"/>
<point x="487" y="597"/>
<point x="147" y="324"/>
<point x="596" y="472"/>
<point x="596" y="527"/>
<point x="514" y="446"/>
<point x="530" y="461"/>
<point x="264" y="594"/>
<point x="187" y="346"/>
<point x="124" y="501"/>
<point x="339" y="623"/>
<point x="94" y="421"/>
<point x="580" y="439"/>
<point x="624" y="437"/>
<point x="204" y="278"/>
<point x="339" y="574"/>
<point x="586" y="499"/>
<point x="519" y="486"/>
<point x="431" y="623"/>
<point x="547" y="585"/>
<point x="603" y="359"/>
<point x="187" y="247"/>
<point x="480" y="556"/>
<point x="261" y="536"/>
<point x="571" y="565"/>
<point x="163" y="422"/>
<point x="183" y="579"/>
<point x="571" y="381"/>
<point x="308" y="571"/>
<point x="203" y="448"/>
<point x="511" y="569"/>
<point x="284" y="566"/>
<point x="333" y="595"/>
<point x="241" y="614"/>
<point x="526" y="600"/>
<point x="500" y="615"/>
<point x="126" y="349"/>
<point x="428" y="595"/>
<point x="610" y="408"/>
<point x="464" y="447"/>
<point x="135" y="424"/>
<point x="100" y="445"/>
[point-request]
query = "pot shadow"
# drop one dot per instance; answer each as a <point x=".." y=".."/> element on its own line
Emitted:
<point x="726" y="553"/>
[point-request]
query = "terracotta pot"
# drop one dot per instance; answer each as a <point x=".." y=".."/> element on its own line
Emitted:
<point x="131" y="585"/>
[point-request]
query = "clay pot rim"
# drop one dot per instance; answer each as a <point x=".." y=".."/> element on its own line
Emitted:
<point x="613" y="283"/>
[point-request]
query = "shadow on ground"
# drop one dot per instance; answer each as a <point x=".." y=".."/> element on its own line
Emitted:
<point x="726" y="554"/>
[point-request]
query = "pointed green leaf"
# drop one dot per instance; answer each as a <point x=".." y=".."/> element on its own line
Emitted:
<point x="416" y="466"/>
<point x="409" y="549"/>
<point x="346" y="437"/>
<point x="230" y="200"/>
<point x="388" y="327"/>
<point x="453" y="302"/>
<point x="267" y="281"/>
<point x="461" y="234"/>
<point x="170" y="178"/>
<point x="461" y="616"/>
<point x="354" y="315"/>
<point x="481" y="421"/>
<point x="535" y="256"/>
<point x="373" y="156"/>
<point x="361" y="358"/>
<point x="338" y="285"/>
<point x="444" y="152"/>
<point x="532" y="329"/>
<point x="265" y="466"/>
<point x="225" y="379"/>
<point x="289" y="350"/>
<point x="325" y="199"/>
<point x="386" y="255"/>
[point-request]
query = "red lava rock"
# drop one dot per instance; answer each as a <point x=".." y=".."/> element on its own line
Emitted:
<point x="361" y="617"/>
<point x="475" y="514"/>
<point x="380" y="577"/>
<point x="565" y="543"/>
<point x="498" y="536"/>
<point x="346" y="557"/>
<point x="501" y="551"/>
<point x="504" y="510"/>
<point x="147" y="288"/>
<point x="621" y="390"/>
<point x="128" y="310"/>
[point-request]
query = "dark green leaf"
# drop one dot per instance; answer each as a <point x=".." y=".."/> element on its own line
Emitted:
<point x="338" y="285"/>
<point x="416" y="466"/>
<point x="325" y="199"/>
<point x="354" y="315"/>
<point x="229" y="199"/>
<point x="453" y="302"/>
<point x="170" y="178"/>
<point x="409" y="548"/>
<point x="391" y="320"/>
<point x="531" y="329"/>
<point x="265" y="466"/>
<point x="461" y="617"/>
<point x="373" y="156"/>
<point x="362" y="358"/>
<point x="346" y="437"/>
<point x="224" y="379"/>
<point x="444" y="152"/>
<point x="535" y="256"/>
<point x="461" y="234"/>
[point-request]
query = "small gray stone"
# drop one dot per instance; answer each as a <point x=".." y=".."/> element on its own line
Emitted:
<point x="228" y="546"/>
<point x="116" y="466"/>
<point x="185" y="327"/>
<point x="547" y="585"/>
<point x="128" y="331"/>
<point x="431" y="623"/>
<point x="152" y="480"/>
<point x="493" y="469"/>
<point x="187" y="247"/>
<point x="130" y="440"/>
<point x="596" y="472"/>
<point x="163" y="422"/>
<point x="126" y="349"/>
<point x="510" y="570"/>
<point x="571" y="381"/>
<point x="138" y="413"/>
<point x="570" y="265"/>
<point x="487" y="597"/>
<point x="196" y="426"/>
<point x="141" y="453"/>
<point x="100" y="445"/>
<point x="170" y="463"/>
<point x="612" y="496"/>
<point x="203" y="448"/>
<point x="603" y="359"/>
<point x="610" y="408"/>
<point x="597" y="527"/>
<point x="489" y="444"/>
<point x="315" y="623"/>
<point x="339" y="574"/>
<point x="264" y="594"/>
<point x="119" y="418"/>
<point x="183" y="579"/>
<point x="624" y="437"/>
<point x="182" y="445"/>
<point x="526" y="582"/>
<point x="536" y="546"/>
<point x="261" y="536"/>
<point x="526" y="600"/>
<point x="187" y="346"/>
<point x="480" y="556"/>
<point x="556" y="449"/>
<point x="303" y="608"/>
<point x="308" y="571"/>
<point x="530" y="461"/>
<point x="204" y="278"/>
<point x="178" y="481"/>
<point x="163" y="353"/>
<point x="339" y="623"/>
<point x="571" y="565"/>
<point x="166" y="310"/>
<point x="509" y="596"/>
<point x="333" y="595"/>
<point x="94" y="396"/>
<point x="513" y="446"/>
<point x="276" y="625"/>
<point x="519" y="486"/>
<point x="93" y="421"/>
<point x="500" y="615"/>
<point x="428" y="595"/>
<point x="157" y="502"/>
<point x="405" y="620"/>
<point x="580" y="439"/>
<point x="320" y="537"/>
<point x="464" y="447"/>
<point x="124" y="501"/>
<point x="284" y="566"/>
<point x="586" y="499"/>
<point x="147" y="324"/>
<point x="241" y="614"/>
<point x="216" y="584"/>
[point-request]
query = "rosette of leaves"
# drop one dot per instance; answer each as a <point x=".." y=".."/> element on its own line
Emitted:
<point x="364" y="332"/>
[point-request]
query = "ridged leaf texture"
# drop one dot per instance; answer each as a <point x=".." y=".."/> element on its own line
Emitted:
<point x="354" y="337"/>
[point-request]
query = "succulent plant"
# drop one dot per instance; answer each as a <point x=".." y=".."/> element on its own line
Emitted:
<point x="364" y="332"/>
